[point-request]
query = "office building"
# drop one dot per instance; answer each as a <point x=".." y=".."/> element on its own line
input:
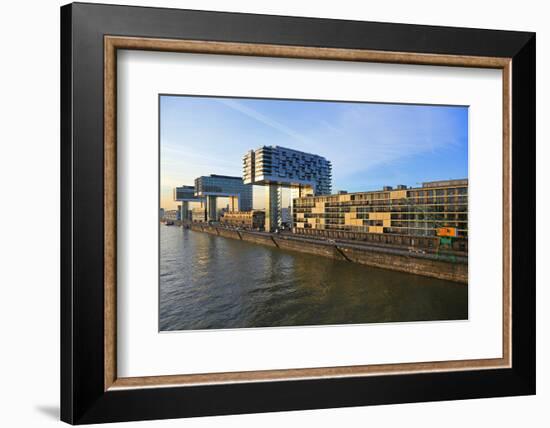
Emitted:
<point x="185" y="195"/>
<point x="288" y="168"/>
<point x="210" y="188"/>
<point x="276" y="167"/>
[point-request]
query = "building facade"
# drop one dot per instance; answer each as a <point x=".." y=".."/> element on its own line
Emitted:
<point x="211" y="187"/>
<point x="438" y="208"/>
<point x="172" y="215"/>
<point x="184" y="195"/>
<point x="198" y="215"/>
<point x="287" y="167"/>
<point x="275" y="168"/>
<point x="254" y="219"/>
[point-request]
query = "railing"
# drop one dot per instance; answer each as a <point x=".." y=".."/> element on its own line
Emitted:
<point x="428" y="242"/>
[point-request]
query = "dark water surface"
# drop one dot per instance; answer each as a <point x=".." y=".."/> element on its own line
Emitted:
<point x="211" y="282"/>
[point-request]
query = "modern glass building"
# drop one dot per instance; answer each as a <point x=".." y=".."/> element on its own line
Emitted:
<point x="276" y="167"/>
<point x="215" y="186"/>
<point x="184" y="195"/>
<point x="438" y="208"/>
<point x="288" y="168"/>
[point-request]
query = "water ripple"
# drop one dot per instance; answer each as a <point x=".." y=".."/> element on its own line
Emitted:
<point x="211" y="282"/>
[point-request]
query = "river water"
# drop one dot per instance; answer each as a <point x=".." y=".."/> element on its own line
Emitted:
<point x="212" y="282"/>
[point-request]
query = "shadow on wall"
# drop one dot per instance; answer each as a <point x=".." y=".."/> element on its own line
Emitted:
<point x="50" y="411"/>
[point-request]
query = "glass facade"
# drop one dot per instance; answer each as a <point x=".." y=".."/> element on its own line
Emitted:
<point x="288" y="168"/>
<point x="184" y="193"/>
<point x="225" y="186"/>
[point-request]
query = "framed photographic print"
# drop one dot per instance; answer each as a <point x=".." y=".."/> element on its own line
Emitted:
<point x="265" y="213"/>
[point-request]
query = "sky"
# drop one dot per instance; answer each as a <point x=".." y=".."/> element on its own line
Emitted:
<point x="370" y="145"/>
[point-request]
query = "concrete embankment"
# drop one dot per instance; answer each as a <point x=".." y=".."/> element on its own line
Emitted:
<point x="451" y="268"/>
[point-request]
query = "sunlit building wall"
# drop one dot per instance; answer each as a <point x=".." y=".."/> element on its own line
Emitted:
<point x="254" y="219"/>
<point x="438" y="208"/>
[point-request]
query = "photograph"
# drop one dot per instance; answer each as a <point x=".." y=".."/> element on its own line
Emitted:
<point x="286" y="212"/>
<point x="280" y="210"/>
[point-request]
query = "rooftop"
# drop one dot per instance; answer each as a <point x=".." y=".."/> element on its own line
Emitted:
<point x="427" y="184"/>
<point x="289" y="150"/>
<point x="224" y="176"/>
<point x="444" y="183"/>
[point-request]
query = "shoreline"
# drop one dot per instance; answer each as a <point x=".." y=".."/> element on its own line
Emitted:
<point x="442" y="266"/>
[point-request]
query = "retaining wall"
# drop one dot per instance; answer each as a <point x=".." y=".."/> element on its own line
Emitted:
<point x="427" y="265"/>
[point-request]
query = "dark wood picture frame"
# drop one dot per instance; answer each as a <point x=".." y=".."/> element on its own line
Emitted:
<point x="90" y="36"/>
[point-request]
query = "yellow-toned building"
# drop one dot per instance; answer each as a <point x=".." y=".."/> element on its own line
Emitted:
<point x="254" y="219"/>
<point x="422" y="211"/>
<point x="198" y="215"/>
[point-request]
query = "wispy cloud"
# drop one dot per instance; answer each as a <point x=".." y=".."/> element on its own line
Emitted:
<point x="182" y="156"/>
<point x="358" y="140"/>
<point x="368" y="144"/>
<point x="265" y="120"/>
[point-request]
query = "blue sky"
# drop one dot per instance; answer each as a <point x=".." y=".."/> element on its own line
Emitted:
<point x="370" y="145"/>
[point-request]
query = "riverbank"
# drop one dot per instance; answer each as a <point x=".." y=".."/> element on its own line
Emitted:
<point x="441" y="266"/>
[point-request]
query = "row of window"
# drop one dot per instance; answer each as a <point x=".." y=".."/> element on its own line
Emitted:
<point x="416" y="231"/>
<point x="416" y="195"/>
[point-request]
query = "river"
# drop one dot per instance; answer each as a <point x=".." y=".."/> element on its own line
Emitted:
<point x="212" y="282"/>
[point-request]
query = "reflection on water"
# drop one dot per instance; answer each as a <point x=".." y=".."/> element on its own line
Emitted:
<point x="211" y="282"/>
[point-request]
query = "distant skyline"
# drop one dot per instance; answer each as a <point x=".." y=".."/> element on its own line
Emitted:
<point x="370" y="145"/>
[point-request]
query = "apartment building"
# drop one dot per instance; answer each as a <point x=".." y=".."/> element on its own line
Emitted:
<point x="438" y="208"/>
<point x="254" y="219"/>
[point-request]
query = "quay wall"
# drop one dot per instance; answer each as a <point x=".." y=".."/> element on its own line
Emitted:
<point x="442" y="269"/>
<point x="425" y="242"/>
<point x="449" y="268"/>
